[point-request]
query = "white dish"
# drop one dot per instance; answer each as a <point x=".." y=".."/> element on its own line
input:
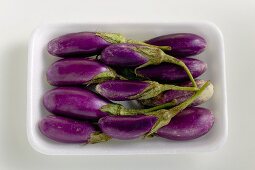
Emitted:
<point x="39" y="60"/>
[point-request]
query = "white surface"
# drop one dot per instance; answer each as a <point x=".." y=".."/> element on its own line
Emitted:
<point x="234" y="18"/>
<point x="39" y="61"/>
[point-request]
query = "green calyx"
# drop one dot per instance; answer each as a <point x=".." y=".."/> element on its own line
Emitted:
<point x="155" y="89"/>
<point x="164" y="116"/>
<point x="118" y="109"/>
<point x="101" y="77"/>
<point x="156" y="56"/>
<point x="113" y="38"/>
<point x="98" y="137"/>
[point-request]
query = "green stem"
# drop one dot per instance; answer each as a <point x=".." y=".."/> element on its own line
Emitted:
<point x="166" y="87"/>
<point x="101" y="77"/>
<point x="117" y="109"/>
<point x="173" y="60"/>
<point x="156" y="56"/>
<point x="155" y="89"/>
<point x="165" y="116"/>
<point x="163" y="106"/>
<point x="98" y="137"/>
<point x="120" y="77"/>
<point x="113" y="38"/>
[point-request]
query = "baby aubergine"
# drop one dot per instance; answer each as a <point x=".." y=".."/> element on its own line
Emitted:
<point x="182" y="44"/>
<point x="75" y="103"/>
<point x="67" y="130"/>
<point x="191" y="123"/>
<point x="126" y="127"/>
<point x="78" y="71"/>
<point x="167" y="72"/>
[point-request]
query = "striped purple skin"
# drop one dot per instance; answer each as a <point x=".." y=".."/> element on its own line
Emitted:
<point x="122" y="55"/>
<point x="126" y="127"/>
<point x="191" y="123"/>
<point x="74" y="71"/>
<point x="74" y="102"/>
<point x="119" y="90"/>
<point x="180" y="96"/>
<point x="66" y="130"/>
<point x="166" y="72"/>
<point x="182" y="44"/>
<point x="77" y="44"/>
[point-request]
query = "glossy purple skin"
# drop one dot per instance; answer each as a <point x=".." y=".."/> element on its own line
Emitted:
<point x="126" y="127"/>
<point x="179" y="95"/>
<point x="66" y="130"/>
<point x="77" y="44"/>
<point x="74" y="71"/>
<point x="75" y="103"/>
<point x="166" y="72"/>
<point x="182" y="44"/>
<point x="122" y="55"/>
<point x="119" y="90"/>
<point x="191" y="123"/>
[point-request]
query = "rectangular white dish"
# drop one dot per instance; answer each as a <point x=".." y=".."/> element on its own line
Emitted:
<point x="39" y="60"/>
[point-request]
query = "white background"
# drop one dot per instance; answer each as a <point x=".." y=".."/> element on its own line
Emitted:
<point x="236" y="19"/>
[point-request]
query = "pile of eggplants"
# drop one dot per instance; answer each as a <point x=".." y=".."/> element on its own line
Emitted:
<point x="100" y="68"/>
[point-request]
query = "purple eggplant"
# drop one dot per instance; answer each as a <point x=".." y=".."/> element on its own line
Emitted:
<point x="167" y="72"/>
<point x="84" y="44"/>
<point x="126" y="127"/>
<point x="182" y="44"/>
<point x="191" y="123"/>
<point x="120" y="90"/>
<point x="67" y="130"/>
<point x="78" y="71"/>
<point x="75" y="103"/>
<point x="140" y="56"/>
<point x="81" y="44"/>
<point x="180" y="96"/>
